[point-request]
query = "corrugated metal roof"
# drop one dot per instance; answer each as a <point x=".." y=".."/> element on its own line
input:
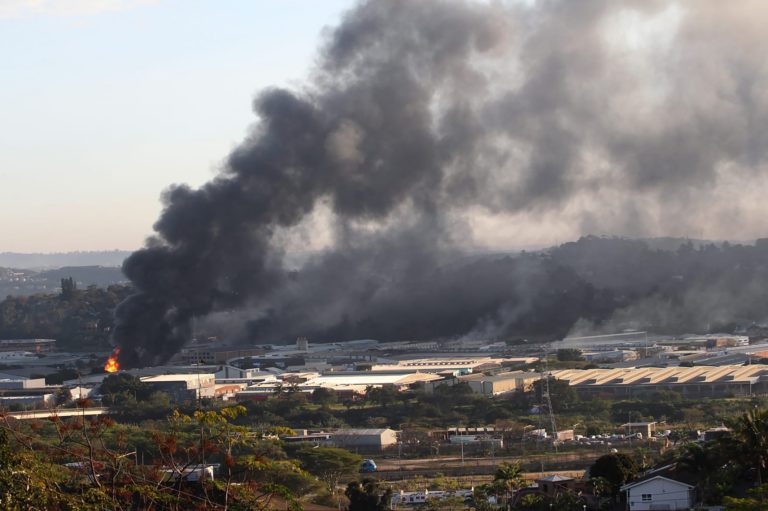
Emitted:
<point x="361" y="432"/>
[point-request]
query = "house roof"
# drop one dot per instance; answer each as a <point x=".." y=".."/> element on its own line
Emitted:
<point x="643" y="481"/>
<point x="361" y="432"/>
<point x="555" y="478"/>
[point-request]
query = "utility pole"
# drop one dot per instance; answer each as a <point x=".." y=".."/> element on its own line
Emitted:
<point x="545" y="390"/>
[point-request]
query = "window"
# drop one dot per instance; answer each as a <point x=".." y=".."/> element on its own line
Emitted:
<point x="647" y="497"/>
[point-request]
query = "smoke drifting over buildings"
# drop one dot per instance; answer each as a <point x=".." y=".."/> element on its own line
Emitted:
<point x="423" y="116"/>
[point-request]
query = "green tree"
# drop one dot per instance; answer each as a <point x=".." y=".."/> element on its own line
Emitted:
<point x="757" y="503"/>
<point x="601" y="487"/>
<point x="532" y="502"/>
<point x="329" y="464"/>
<point x="751" y="429"/>
<point x="366" y="495"/>
<point x="711" y="464"/>
<point x="383" y="396"/>
<point x="566" y="501"/>
<point x="77" y="319"/>
<point x="284" y="473"/>
<point x="117" y="388"/>
<point x="617" y="468"/>
<point x="68" y="288"/>
<point x="507" y="479"/>
<point x="569" y="355"/>
<point x="562" y="395"/>
<point x="451" y="503"/>
<point x="24" y="484"/>
<point x="324" y="396"/>
<point x="480" y="499"/>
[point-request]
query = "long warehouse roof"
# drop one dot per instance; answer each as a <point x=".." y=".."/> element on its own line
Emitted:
<point x="656" y="375"/>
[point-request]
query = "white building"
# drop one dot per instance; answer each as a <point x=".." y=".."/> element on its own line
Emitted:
<point x="439" y="365"/>
<point x="358" y="381"/>
<point x="366" y="439"/>
<point x="22" y="383"/>
<point x="232" y="374"/>
<point x="658" y="493"/>
<point x="35" y="400"/>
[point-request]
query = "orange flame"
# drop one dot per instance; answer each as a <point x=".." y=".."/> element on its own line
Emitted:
<point x="112" y="364"/>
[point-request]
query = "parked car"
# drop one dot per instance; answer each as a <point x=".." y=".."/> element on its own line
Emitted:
<point x="368" y="466"/>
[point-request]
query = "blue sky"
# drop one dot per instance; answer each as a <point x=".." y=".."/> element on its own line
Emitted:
<point x="104" y="103"/>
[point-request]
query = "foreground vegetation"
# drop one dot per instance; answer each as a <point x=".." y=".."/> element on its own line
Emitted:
<point x="127" y="460"/>
<point x="96" y="463"/>
<point x="83" y="463"/>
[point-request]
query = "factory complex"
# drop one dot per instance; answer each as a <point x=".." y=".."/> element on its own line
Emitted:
<point x="691" y="382"/>
<point x="624" y="366"/>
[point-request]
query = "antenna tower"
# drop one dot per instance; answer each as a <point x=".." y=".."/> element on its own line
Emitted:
<point x="548" y="400"/>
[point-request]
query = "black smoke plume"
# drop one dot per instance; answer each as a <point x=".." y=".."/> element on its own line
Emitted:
<point x="423" y="116"/>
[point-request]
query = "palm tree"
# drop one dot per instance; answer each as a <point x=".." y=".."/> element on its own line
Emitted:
<point x="704" y="461"/>
<point x="751" y="429"/>
<point x="507" y="479"/>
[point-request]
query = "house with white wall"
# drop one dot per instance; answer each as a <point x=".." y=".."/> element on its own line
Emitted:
<point x="658" y="493"/>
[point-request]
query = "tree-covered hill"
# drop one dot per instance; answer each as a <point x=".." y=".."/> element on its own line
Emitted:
<point x="591" y="285"/>
<point x="79" y="319"/>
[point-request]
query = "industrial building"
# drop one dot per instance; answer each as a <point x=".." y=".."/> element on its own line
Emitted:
<point x="40" y="400"/>
<point x="645" y="429"/>
<point x="26" y="392"/>
<point x="624" y="340"/>
<point x="365" y="440"/>
<point x="365" y="379"/>
<point x="183" y="387"/>
<point x="360" y="440"/>
<point x="455" y="366"/>
<point x="345" y="383"/>
<point x="500" y="383"/>
<point x="33" y="345"/>
<point x="22" y="383"/>
<point x="440" y="365"/>
<point x="694" y="382"/>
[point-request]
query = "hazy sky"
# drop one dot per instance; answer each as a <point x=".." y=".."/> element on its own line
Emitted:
<point x="106" y="102"/>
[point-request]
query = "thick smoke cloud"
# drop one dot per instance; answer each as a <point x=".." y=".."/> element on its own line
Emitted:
<point x="421" y="115"/>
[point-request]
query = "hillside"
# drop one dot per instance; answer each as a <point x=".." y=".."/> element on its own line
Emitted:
<point x="37" y="261"/>
<point x="24" y="282"/>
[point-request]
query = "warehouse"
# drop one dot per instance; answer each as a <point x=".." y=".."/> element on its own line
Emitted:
<point x="369" y="378"/>
<point x="440" y="365"/>
<point x="183" y="387"/>
<point x="365" y="440"/>
<point x="693" y="382"/>
<point x="346" y="384"/>
<point x="501" y="383"/>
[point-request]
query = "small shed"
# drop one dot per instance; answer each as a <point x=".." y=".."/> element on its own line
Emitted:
<point x="647" y="429"/>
